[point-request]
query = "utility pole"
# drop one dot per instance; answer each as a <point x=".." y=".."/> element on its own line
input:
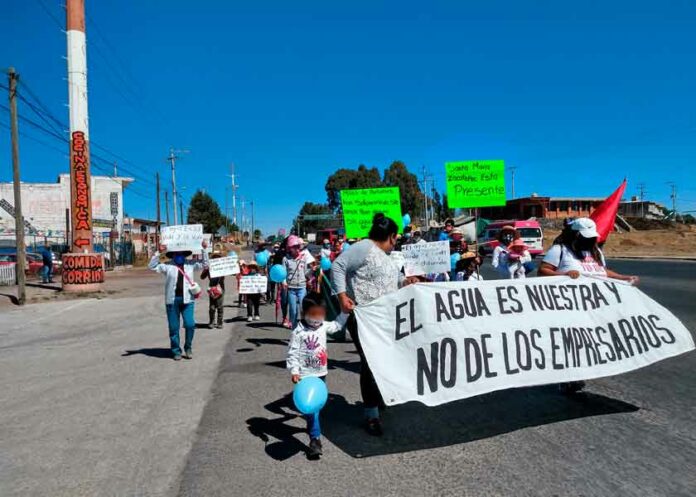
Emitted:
<point x="512" y="181"/>
<point x="172" y="159"/>
<point x="115" y="169"/>
<point x="641" y="193"/>
<point x="673" y="196"/>
<point x="166" y="205"/>
<point x="425" y="198"/>
<point x="157" y="229"/>
<point x="19" y="220"/>
<point x="181" y="209"/>
<point x="252" y="221"/>
<point x="234" y="194"/>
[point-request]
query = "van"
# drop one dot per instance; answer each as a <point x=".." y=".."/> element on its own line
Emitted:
<point x="530" y="232"/>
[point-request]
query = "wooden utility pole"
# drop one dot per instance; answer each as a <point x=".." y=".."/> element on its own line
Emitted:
<point x="166" y="205"/>
<point x="20" y="267"/>
<point x="157" y="229"/>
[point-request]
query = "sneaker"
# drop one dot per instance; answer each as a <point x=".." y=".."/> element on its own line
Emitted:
<point x="315" y="449"/>
<point x="257" y="318"/>
<point x="287" y="324"/>
<point x="373" y="426"/>
<point x="250" y="319"/>
<point x="244" y="305"/>
<point x="218" y="326"/>
<point x="571" y="388"/>
<point x="188" y="354"/>
<point x="177" y="357"/>
<point x="210" y="326"/>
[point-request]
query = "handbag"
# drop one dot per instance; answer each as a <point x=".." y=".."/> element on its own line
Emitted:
<point x="215" y="292"/>
<point x="194" y="288"/>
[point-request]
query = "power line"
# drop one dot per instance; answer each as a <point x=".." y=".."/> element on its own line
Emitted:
<point x="49" y="14"/>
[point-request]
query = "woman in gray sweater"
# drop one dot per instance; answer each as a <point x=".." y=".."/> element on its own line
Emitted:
<point x="360" y="275"/>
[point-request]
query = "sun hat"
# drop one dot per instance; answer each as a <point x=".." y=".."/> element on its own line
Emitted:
<point x="434" y="224"/>
<point x="517" y="243"/>
<point x="585" y="226"/>
<point x="294" y="241"/>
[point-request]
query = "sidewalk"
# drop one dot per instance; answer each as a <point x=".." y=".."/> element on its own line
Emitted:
<point x="91" y="402"/>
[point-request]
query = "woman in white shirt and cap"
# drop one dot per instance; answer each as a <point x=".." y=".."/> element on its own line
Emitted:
<point x="576" y="252"/>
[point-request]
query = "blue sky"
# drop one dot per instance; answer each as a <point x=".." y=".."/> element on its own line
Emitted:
<point x="577" y="96"/>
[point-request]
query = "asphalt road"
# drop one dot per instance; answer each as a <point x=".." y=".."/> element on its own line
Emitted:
<point x="628" y="435"/>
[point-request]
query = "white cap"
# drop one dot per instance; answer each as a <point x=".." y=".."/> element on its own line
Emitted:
<point x="586" y="227"/>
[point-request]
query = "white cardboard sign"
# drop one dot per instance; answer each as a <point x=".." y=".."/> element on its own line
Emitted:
<point x="182" y="237"/>
<point x="253" y="284"/>
<point x="224" y="266"/>
<point x="426" y="258"/>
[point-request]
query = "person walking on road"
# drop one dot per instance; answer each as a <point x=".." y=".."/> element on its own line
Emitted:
<point x="216" y="296"/>
<point x="47" y="268"/>
<point x="180" y="292"/>
<point x="296" y="265"/>
<point x="363" y="274"/>
<point x="574" y="253"/>
<point x="253" y="299"/>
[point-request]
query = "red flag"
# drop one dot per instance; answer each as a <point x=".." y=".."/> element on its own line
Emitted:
<point x="605" y="214"/>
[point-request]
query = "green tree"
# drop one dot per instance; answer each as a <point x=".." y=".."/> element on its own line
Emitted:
<point x="257" y="234"/>
<point x="397" y="174"/>
<point x="311" y="225"/>
<point x="343" y="179"/>
<point x="204" y="210"/>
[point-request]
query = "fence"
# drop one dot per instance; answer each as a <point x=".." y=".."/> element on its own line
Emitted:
<point x="8" y="274"/>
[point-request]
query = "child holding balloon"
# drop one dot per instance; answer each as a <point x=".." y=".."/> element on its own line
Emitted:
<point x="307" y="360"/>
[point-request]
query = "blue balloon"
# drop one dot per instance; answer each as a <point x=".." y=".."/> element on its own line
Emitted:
<point x="310" y="395"/>
<point x="443" y="236"/>
<point x="262" y="258"/>
<point x="454" y="258"/>
<point x="325" y="263"/>
<point x="278" y="273"/>
<point x="406" y="219"/>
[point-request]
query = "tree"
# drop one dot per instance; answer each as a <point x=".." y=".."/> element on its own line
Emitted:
<point x="204" y="210"/>
<point x="344" y="179"/>
<point x="310" y="208"/>
<point x="397" y="174"/>
<point x="257" y="234"/>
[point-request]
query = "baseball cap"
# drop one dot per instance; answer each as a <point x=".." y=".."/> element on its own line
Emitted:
<point x="585" y="226"/>
<point x="294" y="241"/>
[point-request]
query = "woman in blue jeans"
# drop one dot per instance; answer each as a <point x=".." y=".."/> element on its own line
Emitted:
<point x="178" y="297"/>
<point x="297" y="263"/>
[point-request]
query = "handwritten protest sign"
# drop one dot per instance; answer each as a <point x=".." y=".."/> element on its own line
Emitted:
<point x="359" y="207"/>
<point x="475" y="183"/>
<point x="439" y="342"/>
<point x="223" y="266"/>
<point x="426" y="258"/>
<point x="182" y="237"/>
<point x="253" y="284"/>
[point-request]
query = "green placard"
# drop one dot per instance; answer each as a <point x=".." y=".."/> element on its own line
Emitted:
<point x="475" y="183"/>
<point x="360" y="206"/>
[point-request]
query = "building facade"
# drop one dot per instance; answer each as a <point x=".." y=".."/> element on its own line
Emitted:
<point x="543" y="207"/>
<point x="45" y="207"/>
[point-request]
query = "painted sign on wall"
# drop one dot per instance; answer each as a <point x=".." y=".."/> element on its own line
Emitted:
<point x="80" y="193"/>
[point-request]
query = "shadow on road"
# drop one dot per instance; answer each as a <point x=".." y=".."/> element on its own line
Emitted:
<point x="159" y="353"/>
<point x="13" y="298"/>
<point x="46" y="286"/>
<point x="413" y="426"/>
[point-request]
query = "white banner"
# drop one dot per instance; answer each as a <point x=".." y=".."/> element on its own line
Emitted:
<point x="224" y="266"/>
<point x="253" y="284"/>
<point x="398" y="258"/>
<point x="439" y="342"/>
<point x="426" y="258"/>
<point x="182" y="237"/>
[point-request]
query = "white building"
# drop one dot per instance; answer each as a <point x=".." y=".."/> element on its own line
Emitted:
<point x="44" y="207"/>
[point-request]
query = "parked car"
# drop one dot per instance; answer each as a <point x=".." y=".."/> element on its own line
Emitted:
<point x="33" y="265"/>
<point x="530" y="232"/>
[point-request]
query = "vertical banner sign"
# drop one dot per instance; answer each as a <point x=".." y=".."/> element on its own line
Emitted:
<point x="113" y="200"/>
<point x="360" y="206"/>
<point x="475" y="183"/>
<point x="82" y="270"/>
<point x="80" y="193"/>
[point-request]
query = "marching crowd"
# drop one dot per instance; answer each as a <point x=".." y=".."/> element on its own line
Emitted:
<point x="316" y="295"/>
